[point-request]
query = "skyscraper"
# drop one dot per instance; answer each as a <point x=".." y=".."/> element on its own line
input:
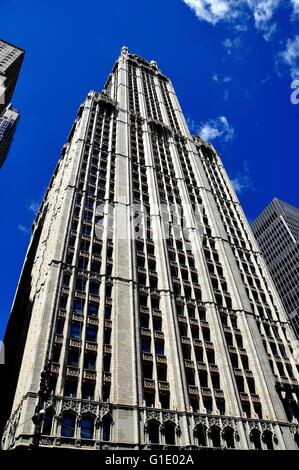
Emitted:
<point x="8" y="124"/>
<point x="277" y="232"/>
<point x="11" y="58"/>
<point x="144" y="301"/>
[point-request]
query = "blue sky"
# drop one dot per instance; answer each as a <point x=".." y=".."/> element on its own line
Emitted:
<point x="232" y="63"/>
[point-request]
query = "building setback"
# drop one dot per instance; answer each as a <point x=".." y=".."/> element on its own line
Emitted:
<point x="175" y="336"/>
<point x="277" y="232"/>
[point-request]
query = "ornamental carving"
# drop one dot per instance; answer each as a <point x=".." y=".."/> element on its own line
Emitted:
<point x="153" y="415"/>
<point x="200" y="420"/>
<point x="89" y="408"/>
<point x="70" y="405"/>
<point x="169" y="417"/>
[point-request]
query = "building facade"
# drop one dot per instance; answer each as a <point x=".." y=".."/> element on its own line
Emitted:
<point x="11" y="58"/>
<point x="144" y="293"/>
<point x="277" y="232"/>
<point x="8" y="125"/>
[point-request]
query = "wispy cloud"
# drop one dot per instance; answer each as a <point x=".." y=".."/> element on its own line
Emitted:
<point x="290" y="56"/>
<point x="216" y="128"/>
<point x="233" y="46"/>
<point x="295" y="4"/>
<point x="242" y="181"/>
<point x="23" y="228"/>
<point x="224" y="82"/>
<point x="221" y="79"/>
<point x="239" y="12"/>
<point x="33" y="207"/>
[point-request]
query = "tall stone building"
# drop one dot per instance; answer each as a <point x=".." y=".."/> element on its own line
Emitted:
<point x="11" y="58"/>
<point x="164" y="330"/>
<point x="277" y="232"/>
<point x="8" y="125"/>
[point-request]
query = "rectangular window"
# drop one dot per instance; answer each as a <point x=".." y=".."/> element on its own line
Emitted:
<point x="91" y="334"/>
<point x="78" y="306"/>
<point x="75" y="331"/>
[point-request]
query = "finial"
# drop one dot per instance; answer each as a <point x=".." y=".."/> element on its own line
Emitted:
<point x="154" y="64"/>
<point x="124" y="50"/>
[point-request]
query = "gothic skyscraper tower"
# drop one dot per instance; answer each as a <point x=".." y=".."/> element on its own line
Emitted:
<point x="168" y="331"/>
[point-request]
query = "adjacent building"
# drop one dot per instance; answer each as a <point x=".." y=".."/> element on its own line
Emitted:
<point x="11" y="58"/>
<point x="277" y="232"/>
<point x="8" y="124"/>
<point x="145" y="315"/>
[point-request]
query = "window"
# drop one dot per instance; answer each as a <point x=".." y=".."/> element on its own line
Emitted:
<point x="63" y="301"/>
<point x="169" y="430"/>
<point x="87" y="428"/>
<point x="106" y="428"/>
<point x="80" y="284"/>
<point x="201" y="435"/>
<point x="70" y="389"/>
<point x="48" y="420"/>
<point x="215" y="436"/>
<point x="154" y="432"/>
<point x="78" y="306"/>
<point x="107" y="362"/>
<point x="59" y="326"/>
<point x="255" y="437"/>
<point x="73" y="358"/>
<point x="94" y="288"/>
<point x="91" y="334"/>
<point x="228" y="436"/>
<point x="108" y="312"/>
<point x="93" y="309"/>
<point x="75" y="331"/>
<point x="88" y="391"/>
<point x="268" y="439"/>
<point x="90" y="362"/>
<point x="68" y="426"/>
<point x="82" y="263"/>
<point x="207" y="403"/>
<point x="146" y="345"/>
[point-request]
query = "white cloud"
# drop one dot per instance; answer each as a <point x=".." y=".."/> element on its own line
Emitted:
<point x="214" y="128"/>
<point x="23" y="229"/>
<point x="213" y="11"/>
<point x="225" y="79"/>
<point x="295" y="4"/>
<point x="33" y="207"/>
<point x="262" y="11"/>
<point x="233" y="46"/>
<point x="242" y="180"/>
<point x="290" y="56"/>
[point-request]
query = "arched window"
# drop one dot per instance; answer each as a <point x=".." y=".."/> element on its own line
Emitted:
<point x="106" y="428"/>
<point x="68" y="425"/>
<point x="215" y="436"/>
<point x="255" y="436"/>
<point x="228" y="436"/>
<point x="48" y="420"/>
<point x="169" y="430"/>
<point x="268" y="439"/>
<point x="154" y="432"/>
<point x="87" y="428"/>
<point x="201" y="435"/>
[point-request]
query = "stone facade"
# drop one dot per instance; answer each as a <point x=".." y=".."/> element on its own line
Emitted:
<point x="165" y="332"/>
